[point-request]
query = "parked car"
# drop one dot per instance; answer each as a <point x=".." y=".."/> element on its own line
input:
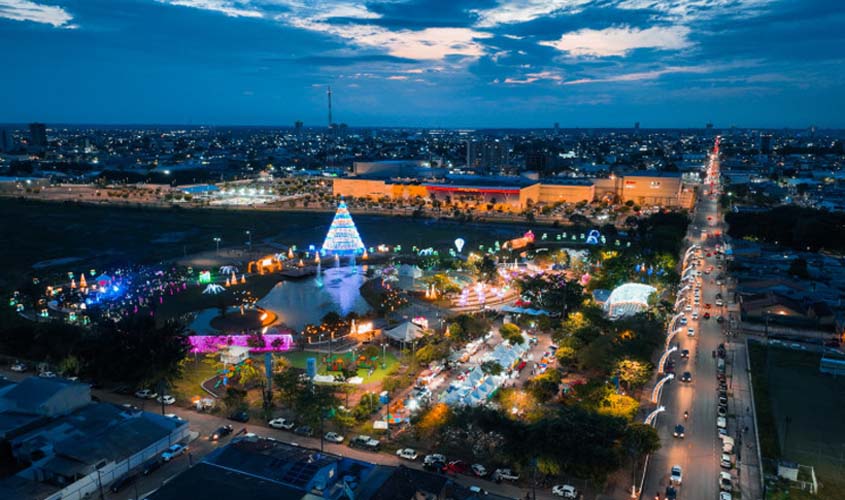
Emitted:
<point x="676" y="475"/>
<point x="434" y="458"/>
<point x="725" y="461"/>
<point x="146" y="394"/>
<point x="725" y="481"/>
<point x="457" y="467"/>
<point x="505" y="474"/>
<point x="19" y="367"/>
<point x="479" y="470"/>
<point x="679" y="431"/>
<point x="280" y="423"/>
<point x="722" y="411"/>
<point x="304" y="430"/>
<point x="724" y="495"/>
<point x="47" y="374"/>
<point x="407" y="453"/>
<point x="221" y="432"/>
<point x="151" y="466"/>
<point x="174" y="451"/>
<point x="333" y="437"/>
<point x="565" y="491"/>
<point x="721" y="423"/>
<point x="240" y="416"/>
<point x="365" y="442"/>
<point x="166" y="399"/>
<point x="123" y="482"/>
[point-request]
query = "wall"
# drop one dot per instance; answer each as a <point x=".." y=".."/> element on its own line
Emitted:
<point x="361" y="188"/>
<point x="572" y="193"/>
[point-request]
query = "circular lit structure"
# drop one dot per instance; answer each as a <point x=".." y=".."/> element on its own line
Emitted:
<point x="628" y="299"/>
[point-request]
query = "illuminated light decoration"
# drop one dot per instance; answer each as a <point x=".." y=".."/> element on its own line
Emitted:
<point x="273" y="342"/>
<point x="205" y="277"/>
<point x="290" y="253"/>
<point x="593" y="237"/>
<point x="228" y="282"/>
<point x="72" y="284"/>
<point x="228" y="269"/>
<point x="343" y="237"/>
<point x="213" y="289"/>
<point x="365" y="256"/>
<point x="243" y="279"/>
<point x="459" y="244"/>
<point x="628" y="299"/>
<point x="82" y="282"/>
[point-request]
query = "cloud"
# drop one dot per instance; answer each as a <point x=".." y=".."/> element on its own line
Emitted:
<point x="642" y="75"/>
<point x="696" y="10"/>
<point x="397" y="77"/>
<point x="227" y="7"/>
<point x="521" y="11"/>
<point x="26" y="10"/>
<point x="618" y="41"/>
<point x="535" y="77"/>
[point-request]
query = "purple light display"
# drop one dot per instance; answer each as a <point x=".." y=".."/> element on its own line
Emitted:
<point x="274" y="342"/>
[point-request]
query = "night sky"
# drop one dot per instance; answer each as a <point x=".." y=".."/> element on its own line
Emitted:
<point x="432" y="63"/>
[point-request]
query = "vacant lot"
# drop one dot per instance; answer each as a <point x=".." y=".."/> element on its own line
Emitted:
<point x="807" y="412"/>
<point x="69" y="237"/>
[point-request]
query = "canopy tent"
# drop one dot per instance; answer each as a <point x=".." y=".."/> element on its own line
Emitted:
<point x="405" y="332"/>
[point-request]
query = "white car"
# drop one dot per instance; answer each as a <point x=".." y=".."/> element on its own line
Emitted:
<point x="19" y="367"/>
<point x="47" y="374"/>
<point x="166" y="399"/>
<point x="695" y="315"/>
<point x="721" y="423"/>
<point x="688" y="308"/>
<point x="479" y="470"/>
<point x="280" y="423"/>
<point x="724" y="495"/>
<point x="173" y="452"/>
<point x="506" y="474"/>
<point x="720" y="302"/>
<point x="407" y="453"/>
<point x="725" y="462"/>
<point x="676" y="475"/>
<point x="146" y="394"/>
<point x="683" y="321"/>
<point x="691" y="331"/>
<point x="564" y="490"/>
<point x="333" y="437"/>
<point x="434" y="458"/>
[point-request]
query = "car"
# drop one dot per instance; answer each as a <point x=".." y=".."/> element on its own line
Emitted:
<point x="565" y="491"/>
<point x="174" y="451"/>
<point x="406" y="453"/>
<point x="676" y="475"/>
<point x="706" y="315"/>
<point x="457" y="467"/>
<point x="19" y="367"/>
<point x="151" y="466"/>
<point x="304" y="430"/>
<point x="683" y="321"/>
<point x="688" y="308"/>
<point x="721" y="423"/>
<point x="671" y="493"/>
<point x="280" y="423"/>
<point x="333" y="437"/>
<point x="172" y="415"/>
<point x="365" y="442"/>
<point x="686" y="377"/>
<point x="685" y="354"/>
<point x="478" y="489"/>
<point x="221" y="432"/>
<point x="695" y="315"/>
<point x="240" y="416"/>
<point x="47" y="374"/>
<point x="725" y="481"/>
<point x="123" y="482"/>
<point x="691" y="332"/>
<point x="720" y="319"/>
<point x="707" y="305"/>
<point x="505" y="474"/>
<point x="434" y="458"/>
<point x="146" y="394"/>
<point x="720" y="302"/>
<point x="723" y="400"/>
<point x="725" y="462"/>
<point x="479" y="470"/>
<point x="679" y="431"/>
<point x="722" y="411"/>
<point x="166" y="399"/>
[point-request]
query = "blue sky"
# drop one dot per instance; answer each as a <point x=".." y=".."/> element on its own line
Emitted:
<point x="433" y="63"/>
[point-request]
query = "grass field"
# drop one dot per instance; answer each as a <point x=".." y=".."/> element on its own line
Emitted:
<point x="87" y="236"/>
<point x="806" y="411"/>
<point x="298" y="359"/>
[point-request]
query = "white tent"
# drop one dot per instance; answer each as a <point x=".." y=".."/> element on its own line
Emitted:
<point x="406" y="332"/>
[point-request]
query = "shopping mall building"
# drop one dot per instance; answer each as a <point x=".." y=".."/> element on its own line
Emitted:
<point x="409" y="180"/>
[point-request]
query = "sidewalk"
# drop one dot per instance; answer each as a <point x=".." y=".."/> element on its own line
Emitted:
<point x="739" y="388"/>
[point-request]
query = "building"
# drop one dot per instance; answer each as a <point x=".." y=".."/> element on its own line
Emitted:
<point x="394" y="180"/>
<point x="7" y="141"/>
<point x="37" y="137"/>
<point x="256" y="468"/>
<point x="487" y="156"/>
<point x="67" y="447"/>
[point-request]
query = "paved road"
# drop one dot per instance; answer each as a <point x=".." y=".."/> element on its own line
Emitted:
<point x="698" y="453"/>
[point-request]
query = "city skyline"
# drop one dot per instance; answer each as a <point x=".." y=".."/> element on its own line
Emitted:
<point x="583" y="64"/>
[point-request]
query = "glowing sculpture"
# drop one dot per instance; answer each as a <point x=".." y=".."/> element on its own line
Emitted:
<point x="343" y="236"/>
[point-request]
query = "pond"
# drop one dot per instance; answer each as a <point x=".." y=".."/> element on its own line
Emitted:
<point x="298" y="303"/>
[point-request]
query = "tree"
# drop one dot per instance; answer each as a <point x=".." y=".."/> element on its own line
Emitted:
<point x="234" y="399"/>
<point x="251" y="376"/>
<point x="434" y="351"/>
<point x="432" y="421"/>
<point x="545" y="387"/>
<point x="511" y="334"/>
<point x="632" y="373"/>
<point x="565" y="355"/>
<point x="289" y="384"/>
<point x="639" y="440"/>
<point x="487" y="270"/>
<point x="491" y="367"/>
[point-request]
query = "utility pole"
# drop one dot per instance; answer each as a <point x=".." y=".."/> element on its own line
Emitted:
<point x="329" y="95"/>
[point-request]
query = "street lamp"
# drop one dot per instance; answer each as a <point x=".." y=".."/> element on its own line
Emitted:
<point x="217" y="242"/>
<point x="249" y="234"/>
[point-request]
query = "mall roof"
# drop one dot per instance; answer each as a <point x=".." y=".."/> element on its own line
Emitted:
<point x="206" y="480"/>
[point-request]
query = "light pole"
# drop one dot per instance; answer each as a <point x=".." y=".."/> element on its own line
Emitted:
<point x="249" y="234"/>
<point x="217" y="242"/>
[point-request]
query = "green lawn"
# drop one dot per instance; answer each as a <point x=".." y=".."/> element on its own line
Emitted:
<point x="194" y="373"/>
<point x="298" y="359"/>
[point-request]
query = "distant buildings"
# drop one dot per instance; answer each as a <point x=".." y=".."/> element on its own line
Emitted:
<point x="487" y="156"/>
<point x="66" y="447"/>
<point x="7" y="141"/>
<point x="37" y="137"/>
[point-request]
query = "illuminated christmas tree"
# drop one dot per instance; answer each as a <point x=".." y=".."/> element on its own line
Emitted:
<point x="343" y="237"/>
